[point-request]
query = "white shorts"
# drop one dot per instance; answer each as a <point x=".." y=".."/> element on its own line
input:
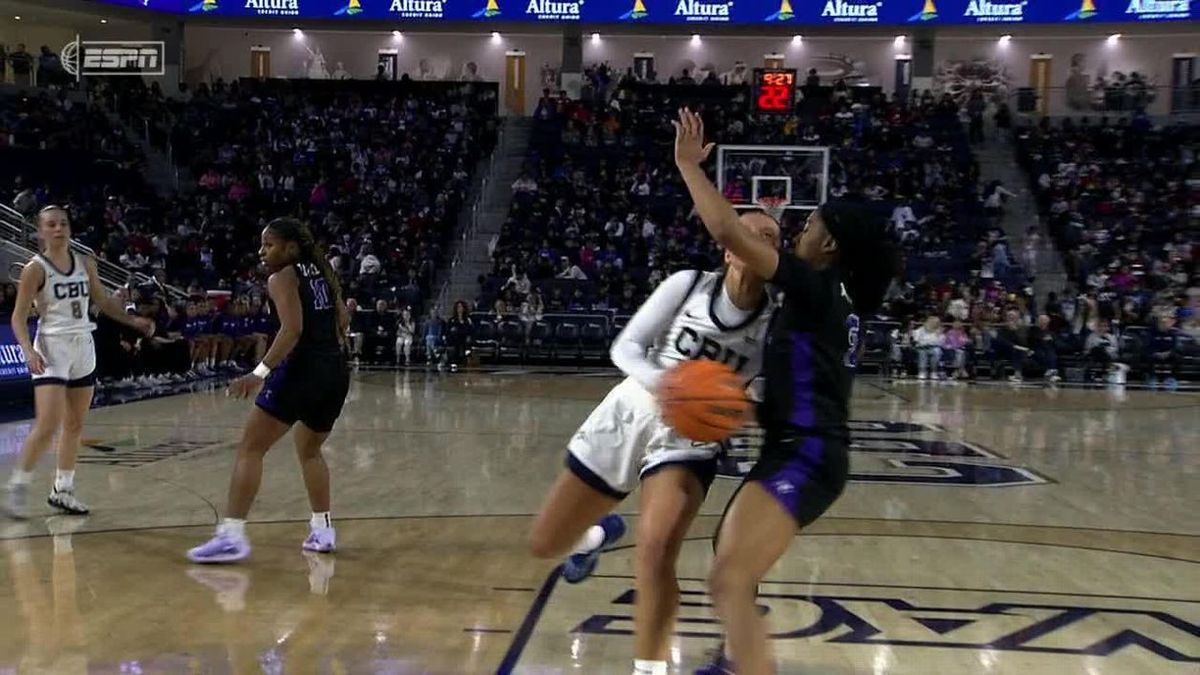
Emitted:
<point x="70" y="359"/>
<point x="625" y="439"/>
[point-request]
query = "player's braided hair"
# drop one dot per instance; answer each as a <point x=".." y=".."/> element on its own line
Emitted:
<point x="291" y="229"/>
<point x="868" y="256"/>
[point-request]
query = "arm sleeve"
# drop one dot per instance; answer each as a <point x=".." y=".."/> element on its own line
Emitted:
<point x="629" y="350"/>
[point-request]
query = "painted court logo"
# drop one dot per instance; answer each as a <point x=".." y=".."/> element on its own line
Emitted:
<point x="638" y="12"/>
<point x="488" y="11"/>
<point x="851" y="11"/>
<point x="985" y="11"/>
<point x="552" y="10"/>
<point x="1086" y="11"/>
<point x="928" y="12"/>
<point x="785" y="12"/>
<point x="418" y="9"/>
<point x="699" y="11"/>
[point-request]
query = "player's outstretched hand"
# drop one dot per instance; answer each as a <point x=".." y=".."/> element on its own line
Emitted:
<point x="244" y="387"/>
<point x="690" y="148"/>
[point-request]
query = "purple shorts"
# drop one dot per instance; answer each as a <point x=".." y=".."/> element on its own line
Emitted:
<point x="805" y="474"/>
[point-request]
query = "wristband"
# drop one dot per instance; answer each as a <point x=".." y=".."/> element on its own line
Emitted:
<point x="261" y="371"/>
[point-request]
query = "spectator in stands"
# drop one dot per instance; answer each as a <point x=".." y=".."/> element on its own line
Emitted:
<point x="993" y="199"/>
<point x="1045" y="348"/>
<point x="21" y="63"/>
<point x="928" y="339"/>
<point x="1163" y="353"/>
<point x="50" y="70"/>
<point x="569" y="270"/>
<point x="1100" y="350"/>
<point x="406" y="332"/>
<point x="975" y="108"/>
<point x="1003" y="119"/>
<point x="1011" y="344"/>
<point x="524" y="184"/>
<point x="432" y="334"/>
<point x="379" y="335"/>
<point x="957" y="342"/>
<point x="520" y="283"/>
<point x="354" y="333"/>
<point x="459" y="331"/>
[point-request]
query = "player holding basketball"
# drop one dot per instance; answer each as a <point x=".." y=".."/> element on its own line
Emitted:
<point x="61" y="284"/>
<point x="691" y="315"/>
<point x="304" y="378"/>
<point x="841" y="264"/>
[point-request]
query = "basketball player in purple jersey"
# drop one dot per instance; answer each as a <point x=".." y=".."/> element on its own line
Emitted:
<point x="838" y="271"/>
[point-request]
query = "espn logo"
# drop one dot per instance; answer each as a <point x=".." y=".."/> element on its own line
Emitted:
<point x="94" y="57"/>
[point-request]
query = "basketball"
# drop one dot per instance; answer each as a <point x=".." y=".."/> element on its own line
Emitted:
<point x="703" y="400"/>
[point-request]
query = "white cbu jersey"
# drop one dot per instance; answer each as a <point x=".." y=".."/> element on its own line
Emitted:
<point x="63" y="301"/>
<point x="625" y="438"/>
<point x="697" y="333"/>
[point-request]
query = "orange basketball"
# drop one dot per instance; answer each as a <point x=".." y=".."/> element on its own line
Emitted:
<point x="703" y="400"/>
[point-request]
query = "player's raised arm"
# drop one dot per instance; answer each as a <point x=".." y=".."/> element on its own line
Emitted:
<point x="715" y="211"/>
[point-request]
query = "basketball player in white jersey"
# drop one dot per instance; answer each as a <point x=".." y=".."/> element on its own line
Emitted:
<point x="691" y="315"/>
<point x="61" y="284"/>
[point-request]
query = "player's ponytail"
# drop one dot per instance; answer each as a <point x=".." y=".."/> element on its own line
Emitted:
<point x="868" y="256"/>
<point x="291" y="229"/>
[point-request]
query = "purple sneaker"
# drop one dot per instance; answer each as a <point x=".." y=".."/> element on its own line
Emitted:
<point x="222" y="548"/>
<point x="321" y="540"/>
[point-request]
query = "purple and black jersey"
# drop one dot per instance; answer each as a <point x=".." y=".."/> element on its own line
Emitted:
<point x="320" y="335"/>
<point x="812" y="350"/>
<point x="311" y="385"/>
<point x="811" y="353"/>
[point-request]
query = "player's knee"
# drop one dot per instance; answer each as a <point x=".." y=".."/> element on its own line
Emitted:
<point x="308" y="452"/>
<point x="72" y="425"/>
<point x="726" y="581"/>
<point x="656" y="555"/>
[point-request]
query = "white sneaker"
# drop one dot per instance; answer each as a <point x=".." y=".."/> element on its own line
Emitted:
<point x="922" y="376"/>
<point x="1016" y="379"/>
<point x="1052" y="376"/>
<point x="65" y="500"/>
<point x="321" y="540"/>
<point x="16" y="500"/>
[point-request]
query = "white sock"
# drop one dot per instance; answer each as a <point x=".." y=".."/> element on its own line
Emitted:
<point x="643" y="667"/>
<point x="64" y="481"/>
<point x="322" y="519"/>
<point x="233" y="527"/>
<point x="20" y="477"/>
<point x="590" y="541"/>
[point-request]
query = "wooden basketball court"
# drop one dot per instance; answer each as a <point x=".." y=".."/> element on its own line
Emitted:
<point x="987" y="530"/>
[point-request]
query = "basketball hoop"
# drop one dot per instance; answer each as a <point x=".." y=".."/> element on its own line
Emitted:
<point x="774" y="207"/>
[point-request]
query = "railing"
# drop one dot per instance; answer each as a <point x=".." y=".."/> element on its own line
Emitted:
<point x="1107" y="98"/>
<point x="16" y="229"/>
<point x="477" y="208"/>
